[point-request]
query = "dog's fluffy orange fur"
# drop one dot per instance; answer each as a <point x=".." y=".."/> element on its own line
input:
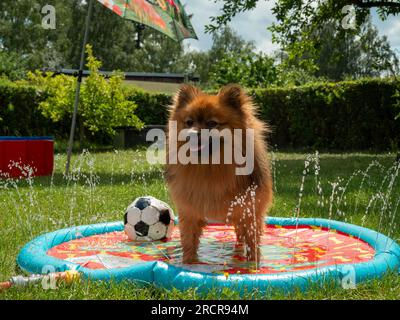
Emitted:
<point x="204" y="192"/>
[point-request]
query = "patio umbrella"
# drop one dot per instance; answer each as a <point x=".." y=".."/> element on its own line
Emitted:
<point x="166" y="16"/>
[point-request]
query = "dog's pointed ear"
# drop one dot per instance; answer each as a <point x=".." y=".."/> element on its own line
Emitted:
<point x="185" y="95"/>
<point x="232" y="95"/>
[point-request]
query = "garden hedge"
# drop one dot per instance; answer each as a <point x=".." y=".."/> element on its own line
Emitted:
<point x="152" y="107"/>
<point x="349" y="115"/>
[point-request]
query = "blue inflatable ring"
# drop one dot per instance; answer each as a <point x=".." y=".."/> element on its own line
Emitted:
<point x="34" y="258"/>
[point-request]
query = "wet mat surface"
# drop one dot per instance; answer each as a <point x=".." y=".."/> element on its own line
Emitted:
<point x="284" y="249"/>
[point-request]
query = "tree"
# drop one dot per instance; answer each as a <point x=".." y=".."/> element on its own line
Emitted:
<point x="363" y="55"/>
<point x="11" y="65"/>
<point x="294" y="14"/>
<point x="251" y="70"/>
<point x="21" y="31"/>
<point x="376" y="54"/>
<point x="298" y="20"/>
<point x="112" y="38"/>
<point x="195" y="62"/>
<point x="226" y="43"/>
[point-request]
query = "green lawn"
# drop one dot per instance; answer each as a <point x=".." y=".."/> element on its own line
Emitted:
<point x="358" y="188"/>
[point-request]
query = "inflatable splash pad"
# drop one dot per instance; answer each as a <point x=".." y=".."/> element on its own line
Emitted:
<point x="295" y="253"/>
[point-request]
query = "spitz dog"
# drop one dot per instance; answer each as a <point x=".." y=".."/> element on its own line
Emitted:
<point x="204" y="192"/>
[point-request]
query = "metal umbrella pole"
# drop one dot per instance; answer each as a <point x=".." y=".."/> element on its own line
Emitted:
<point x="78" y="87"/>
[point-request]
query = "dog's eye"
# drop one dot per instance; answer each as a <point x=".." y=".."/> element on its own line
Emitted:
<point x="211" y="124"/>
<point x="189" y="122"/>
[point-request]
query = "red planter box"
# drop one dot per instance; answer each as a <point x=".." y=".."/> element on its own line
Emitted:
<point x="35" y="152"/>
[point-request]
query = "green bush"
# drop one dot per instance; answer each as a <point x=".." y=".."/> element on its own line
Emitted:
<point x="251" y="70"/>
<point x="102" y="106"/>
<point x="19" y="112"/>
<point x="350" y="115"/>
<point x="12" y="65"/>
<point x="152" y="108"/>
<point x="397" y="103"/>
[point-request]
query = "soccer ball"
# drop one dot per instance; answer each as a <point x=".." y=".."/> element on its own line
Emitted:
<point x="148" y="218"/>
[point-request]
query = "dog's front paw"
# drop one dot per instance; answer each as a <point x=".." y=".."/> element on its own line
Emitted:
<point x="189" y="259"/>
<point x="253" y="255"/>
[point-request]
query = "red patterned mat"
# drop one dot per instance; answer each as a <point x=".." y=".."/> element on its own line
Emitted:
<point x="284" y="249"/>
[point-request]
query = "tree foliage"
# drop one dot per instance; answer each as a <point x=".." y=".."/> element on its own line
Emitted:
<point x="251" y="70"/>
<point x="112" y="38"/>
<point x="312" y="41"/>
<point x="102" y="107"/>
<point x="293" y="15"/>
<point x="298" y="21"/>
<point x="227" y="44"/>
<point x="12" y="65"/>
<point x="354" y="56"/>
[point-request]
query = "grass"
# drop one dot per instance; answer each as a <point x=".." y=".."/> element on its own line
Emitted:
<point x="358" y="188"/>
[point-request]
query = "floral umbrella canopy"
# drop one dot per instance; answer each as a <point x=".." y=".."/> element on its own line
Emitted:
<point x="166" y="16"/>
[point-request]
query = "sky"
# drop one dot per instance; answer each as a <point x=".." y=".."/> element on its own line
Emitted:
<point x="253" y="25"/>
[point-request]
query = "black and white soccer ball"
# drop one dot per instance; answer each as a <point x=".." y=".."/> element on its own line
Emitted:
<point x="148" y="219"/>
